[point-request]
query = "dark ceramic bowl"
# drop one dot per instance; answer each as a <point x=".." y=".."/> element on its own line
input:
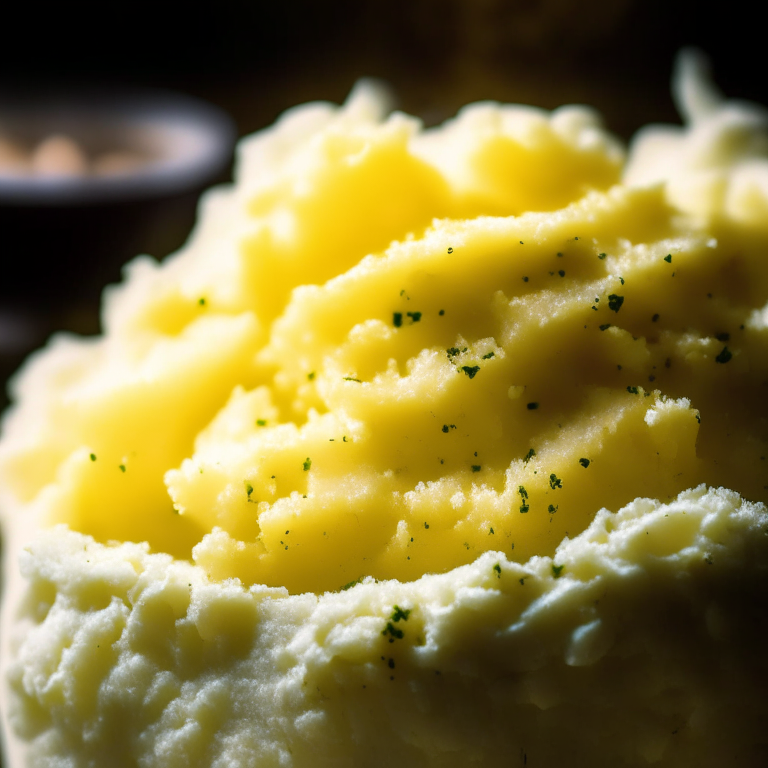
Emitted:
<point x="63" y="238"/>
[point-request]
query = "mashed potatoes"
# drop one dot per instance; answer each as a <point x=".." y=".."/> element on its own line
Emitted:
<point x="416" y="454"/>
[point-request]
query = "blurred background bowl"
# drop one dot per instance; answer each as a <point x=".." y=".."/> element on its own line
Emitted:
<point x="91" y="178"/>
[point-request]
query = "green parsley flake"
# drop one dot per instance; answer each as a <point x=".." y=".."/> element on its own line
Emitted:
<point x="555" y="482"/>
<point x="601" y="255"/>
<point x="93" y="457"/>
<point x="488" y="355"/>
<point x="307" y="464"/>
<point x="393" y="632"/>
<point x="605" y="326"/>
<point x="248" y="489"/>
<point x="668" y="258"/>
<point x="528" y="456"/>
<point x="400" y="613"/>
<point x="532" y="406"/>
<point x="724" y="356"/>
<point x="450" y="250"/>
<point x="633" y="390"/>
<point x="470" y="370"/>
<point x="497" y="568"/>
<point x="397" y="319"/>
<point x="441" y="312"/>
<point x="476" y="467"/>
<point x="615" y="302"/>
<point x="525" y="278"/>
<point x="523" y="499"/>
<point x="415" y="316"/>
<point x="261" y="422"/>
<point x="352" y="378"/>
<point x="426" y="526"/>
<point x="557" y="570"/>
<point x="122" y="467"/>
<point x="201" y="301"/>
<point x="445" y="428"/>
<point x="552" y="508"/>
<point x="655" y="318"/>
<point x="311" y="375"/>
<point x="584" y="463"/>
<point x="561" y="272"/>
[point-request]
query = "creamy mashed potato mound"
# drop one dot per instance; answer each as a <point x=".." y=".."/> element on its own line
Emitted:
<point x="437" y="447"/>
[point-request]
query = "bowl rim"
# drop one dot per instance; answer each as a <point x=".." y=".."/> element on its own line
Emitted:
<point x="212" y="131"/>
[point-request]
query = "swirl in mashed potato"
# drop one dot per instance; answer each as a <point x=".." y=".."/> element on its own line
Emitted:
<point x="416" y="454"/>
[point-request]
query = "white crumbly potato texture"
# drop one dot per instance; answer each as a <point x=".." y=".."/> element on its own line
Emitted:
<point x="436" y="447"/>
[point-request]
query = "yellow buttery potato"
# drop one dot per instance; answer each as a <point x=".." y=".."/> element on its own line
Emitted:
<point x="430" y="448"/>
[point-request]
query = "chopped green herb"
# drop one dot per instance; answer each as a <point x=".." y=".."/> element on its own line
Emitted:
<point x="488" y="355"/>
<point x="557" y="570"/>
<point x="525" y="278"/>
<point x="497" y="568"/>
<point x="307" y="464"/>
<point x="601" y="255"/>
<point x="426" y="526"/>
<point x="491" y="532"/>
<point x="615" y="302"/>
<point x="93" y="457"/>
<point x="559" y="255"/>
<point x="441" y="312"/>
<point x="311" y="375"/>
<point x="621" y="279"/>
<point x="605" y="326"/>
<point x="351" y="584"/>
<point x="261" y="422"/>
<point x="397" y="319"/>
<point x="248" y="489"/>
<point x="344" y="439"/>
<point x="400" y="613"/>
<point x="555" y="481"/>
<point x="415" y="316"/>
<point x="668" y="258"/>
<point x="723" y="336"/>
<point x="470" y="370"/>
<point x="655" y="318"/>
<point x="633" y="390"/>
<point x="445" y="428"/>
<point x="532" y="406"/>
<point x="476" y="467"/>
<point x="393" y="632"/>
<point x="352" y="378"/>
<point x="584" y="463"/>
<point x="450" y="250"/>
<point x="201" y="301"/>
<point x="522" y="243"/>
<point x="122" y="467"/>
<point x="552" y="508"/>
<point x="523" y="499"/>
<point x="453" y="351"/>
<point x="561" y="272"/>
<point x="698" y="417"/>
<point x="724" y="356"/>
<point x="528" y="456"/>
